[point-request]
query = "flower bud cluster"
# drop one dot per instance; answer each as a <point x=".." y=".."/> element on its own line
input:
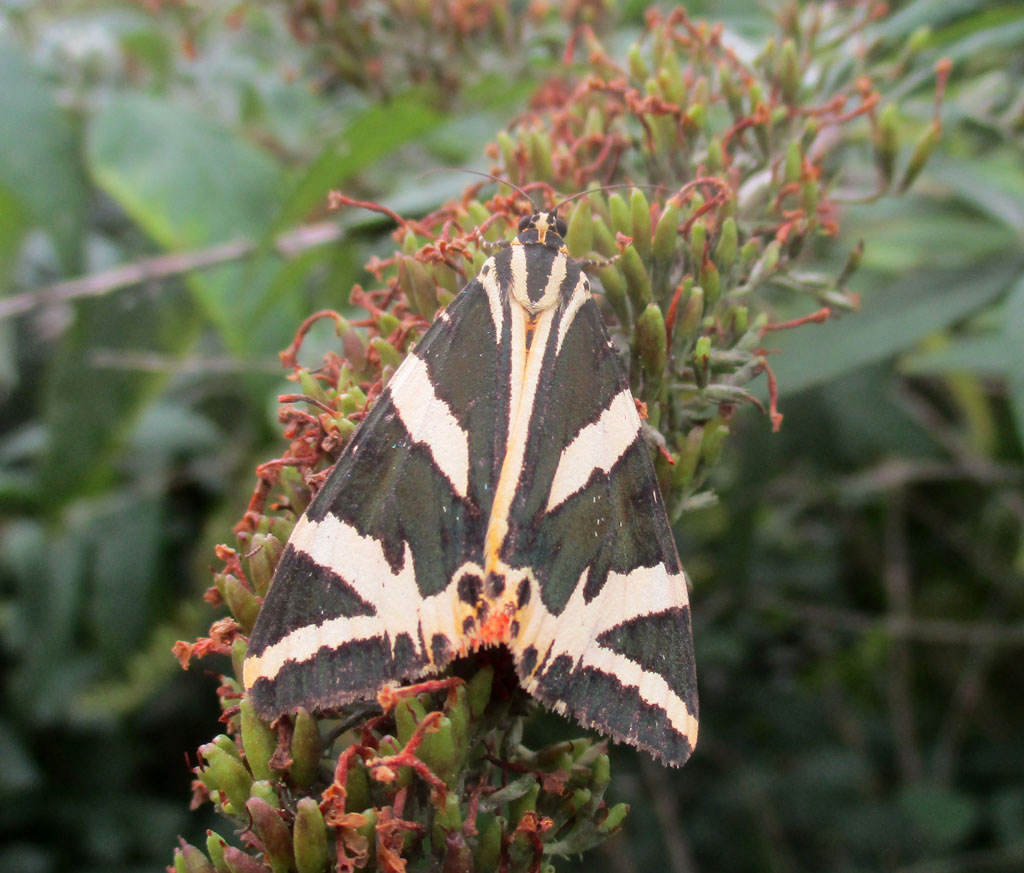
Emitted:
<point x="726" y="171"/>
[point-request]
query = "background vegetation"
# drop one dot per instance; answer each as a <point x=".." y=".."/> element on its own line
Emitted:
<point x="858" y="587"/>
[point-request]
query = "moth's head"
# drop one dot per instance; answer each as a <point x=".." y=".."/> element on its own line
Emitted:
<point x="545" y="228"/>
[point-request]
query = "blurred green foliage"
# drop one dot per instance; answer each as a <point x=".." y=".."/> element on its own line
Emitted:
<point x="859" y="587"/>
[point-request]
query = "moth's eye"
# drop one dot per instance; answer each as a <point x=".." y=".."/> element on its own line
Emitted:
<point x="560" y="227"/>
<point x="525" y="222"/>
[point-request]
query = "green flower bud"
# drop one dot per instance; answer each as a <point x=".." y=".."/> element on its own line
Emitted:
<point x="258" y="740"/>
<point x="638" y="282"/>
<point x="885" y="141"/>
<point x="640" y="217"/>
<point x="731" y="91"/>
<point x="622" y="221"/>
<point x="239" y="647"/>
<point x="239" y="862"/>
<point x="615" y="817"/>
<point x="726" y="249"/>
<point x="715" y="156"/>
<point x="765" y="265"/>
<point x="540" y="156"/>
<point x="922" y="151"/>
<point x="488" y="841"/>
<point x="265" y="790"/>
<point x="604" y="239"/>
<point x="715" y="432"/>
<point x="479" y="691"/>
<point x="309" y="838"/>
<point x="524" y="804"/>
<point x="580" y="236"/>
<point x="227" y="774"/>
<point x="264" y="553"/>
<point x="508" y="153"/>
<point x="215" y="849"/>
<point x="670" y="78"/>
<point x="311" y="386"/>
<point x="637" y="65"/>
<point x="389" y="355"/>
<point x="711" y="282"/>
<point x="666" y="234"/>
<point x="748" y="253"/>
<point x="794" y="168"/>
<point x="689" y="456"/>
<point x="789" y="71"/>
<point x="595" y="124"/>
<point x="438" y="752"/>
<point x="600" y="775"/>
<point x="273" y="833"/>
<point x="651" y="342"/>
<point x="242" y="602"/>
<point x="418" y="286"/>
<point x="305" y="749"/>
<point x="577" y="800"/>
<point x="809" y="196"/>
<point x="408" y="714"/>
<point x="189" y="859"/>
<point x="459" y="714"/>
<point x="698" y="237"/>
<point x="448" y="818"/>
<point x="702" y="360"/>
<point x="688" y="321"/>
<point x="357" y="786"/>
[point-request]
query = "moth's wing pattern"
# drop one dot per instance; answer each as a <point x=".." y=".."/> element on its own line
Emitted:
<point x="608" y="638"/>
<point x="366" y="590"/>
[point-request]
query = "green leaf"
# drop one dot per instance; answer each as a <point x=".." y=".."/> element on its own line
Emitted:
<point x="91" y="408"/>
<point x="944" y="816"/>
<point x="891" y="320"/>
<point x="39" y="160"/>
<point x="190" y="183"/>
<point x="370" y="135"/>
<point x="1015" y="335"/>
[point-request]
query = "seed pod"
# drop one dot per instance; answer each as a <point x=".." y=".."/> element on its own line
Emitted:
<point x="239" y="862"/>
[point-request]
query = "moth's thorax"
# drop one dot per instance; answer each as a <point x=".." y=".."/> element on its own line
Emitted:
<point x="540" y="277"/>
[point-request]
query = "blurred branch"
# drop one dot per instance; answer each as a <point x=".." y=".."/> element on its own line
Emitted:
<point x="896" y="580"/>
<point x="670" y="819"/>
<point x="288" y="244"/>
<point x="923" y="630"/>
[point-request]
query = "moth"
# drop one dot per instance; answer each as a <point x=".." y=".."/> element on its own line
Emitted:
<point x="499" y="492"/>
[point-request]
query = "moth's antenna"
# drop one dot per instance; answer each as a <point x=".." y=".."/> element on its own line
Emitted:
<point x="569" y="199"/>
<point x="493" y="178"/>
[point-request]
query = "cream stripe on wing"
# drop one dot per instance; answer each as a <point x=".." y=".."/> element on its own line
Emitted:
<point x="599" y="445"/>
<point x="359" y="560"/>
<point x="430" y="422"/>
<point x="489" y="281"/>
<point x="645" y="591"/>
<point x="580" y="295"/>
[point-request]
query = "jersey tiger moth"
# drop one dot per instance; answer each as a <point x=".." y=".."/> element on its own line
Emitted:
<point x="500" y="491"/>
